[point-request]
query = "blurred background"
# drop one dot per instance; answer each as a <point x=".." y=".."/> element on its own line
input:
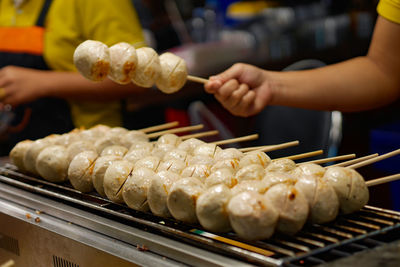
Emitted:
<point x="276" y="35"/>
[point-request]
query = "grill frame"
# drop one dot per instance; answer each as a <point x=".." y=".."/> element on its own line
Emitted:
<point x="288" y="250"/>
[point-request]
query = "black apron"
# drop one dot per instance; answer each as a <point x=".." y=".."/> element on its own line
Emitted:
<point x="43" y="116"/>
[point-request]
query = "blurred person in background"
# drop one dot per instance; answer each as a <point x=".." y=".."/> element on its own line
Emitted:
<point x="358" y="84"/>
<point x="37" y="76"/>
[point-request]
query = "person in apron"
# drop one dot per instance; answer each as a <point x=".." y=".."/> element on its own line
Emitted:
<point x="40" y="117"/>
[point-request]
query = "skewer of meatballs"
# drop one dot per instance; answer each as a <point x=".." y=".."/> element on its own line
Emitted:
<point x="197" y="182"/>
<point x="123" y="64"/>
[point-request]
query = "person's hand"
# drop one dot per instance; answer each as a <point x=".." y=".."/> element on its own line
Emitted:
<point x="21" y="85"/>
<point x="242" y="89"/>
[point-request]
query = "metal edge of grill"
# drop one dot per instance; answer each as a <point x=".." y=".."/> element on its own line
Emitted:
<point x="302" y="248"/>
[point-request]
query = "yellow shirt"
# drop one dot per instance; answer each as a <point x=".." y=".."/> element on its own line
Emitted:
<point x="389" y="9"/>
<point x="70" y="22"/>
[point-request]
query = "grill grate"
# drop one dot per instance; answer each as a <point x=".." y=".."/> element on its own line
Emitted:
<point x="9" y="243"/>
<point x="315" y="244"/>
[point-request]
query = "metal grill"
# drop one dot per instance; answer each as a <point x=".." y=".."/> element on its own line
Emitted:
<point x="315" y="244"/>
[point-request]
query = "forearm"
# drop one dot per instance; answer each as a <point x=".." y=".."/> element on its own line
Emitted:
<point x="71" y="85"/>
<point x="353" y="85"/>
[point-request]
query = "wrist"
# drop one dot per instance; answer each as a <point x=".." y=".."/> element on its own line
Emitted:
<point x="274" y="85"/>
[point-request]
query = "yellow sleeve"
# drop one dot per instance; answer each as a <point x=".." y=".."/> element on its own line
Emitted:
<point x="389" y="9"/>
<point x="69" y="23"/>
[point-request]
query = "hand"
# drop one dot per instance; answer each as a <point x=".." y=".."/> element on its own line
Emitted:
<point x="21" y="85"/>
<point x="243" y="89"/>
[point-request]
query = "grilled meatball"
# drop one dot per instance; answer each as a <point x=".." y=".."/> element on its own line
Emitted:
<point x="211" y="208"/>
<point x="17" y="154"/>
<point x="159" y="190"/>
<point x="92" y="59"/>
<point x="135" y="188"/>
<point x="52" y="163"/>
<point x="252" y="215"/>
<point x="123" y="62"/>
<point x="182" y="199"/>
<point x="100" y="167"/>
<point x="173" y="73"/>
<point x="80" y="171"/>
<point x="148" y="69"/>
<point x="114" y="179"/>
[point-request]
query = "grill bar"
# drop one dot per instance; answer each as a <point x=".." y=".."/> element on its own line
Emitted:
<point x="346" y="235"/>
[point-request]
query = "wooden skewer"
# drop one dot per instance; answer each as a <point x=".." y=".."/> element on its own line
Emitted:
<point x="198" y="135"/>
<point x="238" y="139"/>
<point x="269" y="148"/>
<point x="325" y="160"/>
<point x="160" y="127"/>
<point x="373" y="160"/>
<point x="176" y="130"/>
<point x="383" y="180"/>
<point x="303" y="155"/>
<point x="353" y="161"/>
<point x="196" y="79"/>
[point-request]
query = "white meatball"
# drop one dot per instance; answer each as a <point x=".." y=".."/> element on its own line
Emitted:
<point x="250" y="185"/>
<point x="173" y="165"/>
<point x="292" y="207"/>
<point x="309" y="169"/>
<point x="132" y="137"/>
<point x="252" y="215"/>
<point x="150" y="162"/>
<point x="250" y="172"/>
<point x="211" y="208"/>
<point x="114" y="150"/>
<point x="199" y="171"/>
<point x="221" y="176"/>
<point x="148" y="69"/>
<point x="228" y="153"/>
<point x="114" y="179"/>
<point x="80" y="171"/>
<point x="116" y="134"/>
<point x="136" y="154"/>
<point x="190" y="144"/>
<point x="321" y="197"/>
<point x="99" y="169"/>
<point x="172" y="139"/>
<point x="200" y="159"/>
<point x="92" y="60"/>
<point x="281" y="165"/>
<point x="206" y="149"/>
<point x="68" y="138"/>
<point x="142" y="145"/>
<point x="159" y="190"/>
<point x="123" y="62"/>
<point x="52" y="163"/>
<point x="175" y="154"/>
<point x="135" y="188"/>
<point x="273" y="178"/>
<point x="103" y="142"/>
<point x="160" y="150"/>
<point x="232" y="164"/>
<point x="254" y="157"/>
<point x="173" y="73"/>
<point x="17" y="154"/>
<point x="349" y="187"/>
<point x="79" y="146"/>
<point x="182" y="199"/>
<point x="32" y="153"/>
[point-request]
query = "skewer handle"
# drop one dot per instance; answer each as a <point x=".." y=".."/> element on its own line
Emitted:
<point x="176" y="130"/>
<point x="373" y="160"/>
<point x="269" y="148"/>
<point x="239" y="139"/>
<point x="160" y="127"/>
<point x="303" y="155"/>
<point x="325" y="160"/>
<point x="199" y="135"/>
<point x="196" y="79"/>
<point x="353" y="161"/>
<point x="383" y="180"/>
